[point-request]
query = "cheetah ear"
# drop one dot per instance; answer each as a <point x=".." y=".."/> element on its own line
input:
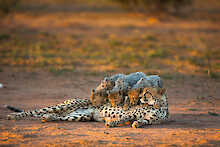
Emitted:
<point x="106" y="79"/>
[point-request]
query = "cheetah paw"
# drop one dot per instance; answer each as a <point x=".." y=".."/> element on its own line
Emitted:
<point x="135" y="124"/>
<point x="12" y="116"/>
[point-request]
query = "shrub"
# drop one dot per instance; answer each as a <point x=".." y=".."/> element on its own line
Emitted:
<point x="7" y="5"/>
<point x="158" y="5"/>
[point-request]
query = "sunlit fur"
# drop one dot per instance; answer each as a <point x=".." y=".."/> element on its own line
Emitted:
<point x="152" y="109"/>
<point x="134" y="95"/>
<point x="98" y="97"/>
<point x="116" y="98"/>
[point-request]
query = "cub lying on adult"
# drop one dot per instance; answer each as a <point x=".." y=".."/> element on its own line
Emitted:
<point x="114" y="84"/>
<point x="116" y="88"/>
<point x="153" y="108"/>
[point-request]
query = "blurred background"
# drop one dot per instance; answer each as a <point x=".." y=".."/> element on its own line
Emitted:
<point x="163" y="37"/>
<point x="53" y="50"/>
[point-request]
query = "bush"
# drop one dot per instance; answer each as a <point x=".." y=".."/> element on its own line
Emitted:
<point x="7" y="5"/>
<point x="156" y="5"/>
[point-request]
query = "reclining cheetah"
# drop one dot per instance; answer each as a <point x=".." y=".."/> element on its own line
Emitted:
<point x="153" y="108"/>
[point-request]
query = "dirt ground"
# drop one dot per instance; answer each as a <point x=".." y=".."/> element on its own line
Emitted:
<point x="193" y="120"/>
<point x="50" y="52"/>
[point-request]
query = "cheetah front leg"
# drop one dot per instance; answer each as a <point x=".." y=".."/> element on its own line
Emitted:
<point x="148" y="117"/>
<point x="118" y="121"/>
<point x="152" y="118"/>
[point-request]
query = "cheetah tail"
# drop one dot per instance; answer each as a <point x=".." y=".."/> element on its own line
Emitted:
<point x="13" y="108"/>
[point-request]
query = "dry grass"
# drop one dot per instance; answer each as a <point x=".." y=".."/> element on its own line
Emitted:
<point x="61" y="41"/>
<point x="88" y="39"/>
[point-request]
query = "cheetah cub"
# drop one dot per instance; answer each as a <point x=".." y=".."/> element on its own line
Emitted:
<point x="114" y="89"/>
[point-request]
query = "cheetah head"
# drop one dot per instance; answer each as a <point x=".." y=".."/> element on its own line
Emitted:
<point x="98" y="97"/>
<point x="106" y="84"/>
<point x="134" y="95"/>
<point x="115" y="98"/>
<point x="153" y="96"/>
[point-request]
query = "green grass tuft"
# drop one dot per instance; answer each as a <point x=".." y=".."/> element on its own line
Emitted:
<point x="4" y="37"/>
<point x="193" y="109"/>
<point x="60" y="71"/>
<point x="167" y="76"/>
<point x="151" y="38"/>
<point x="197" y="61"/>
<point x="158" y="53"/>
<point x="114" y="42"/>
<point x="213" y="113"/>
<point x="212" y="74"/>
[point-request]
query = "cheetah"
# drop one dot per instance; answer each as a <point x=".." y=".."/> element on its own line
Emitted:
<point x="134" y="93"/>
<point x="108" y="83"/>
<point x="149" y="81"/>
<point x="82" y="110"/>
<point x="98" y="97"/>
<point x="152" y="109"/>
<point x="111" y="86"/>
<point x="117" y="95"/>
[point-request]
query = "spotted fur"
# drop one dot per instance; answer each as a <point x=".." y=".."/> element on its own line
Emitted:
<point x="153" y="108"/>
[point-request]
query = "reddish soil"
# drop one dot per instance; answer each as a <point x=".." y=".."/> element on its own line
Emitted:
<point x="194" y="106"/>
<point x="53" y="45"/>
